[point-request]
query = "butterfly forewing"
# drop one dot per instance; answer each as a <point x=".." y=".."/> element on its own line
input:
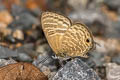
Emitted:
<point x="54" y="27"/>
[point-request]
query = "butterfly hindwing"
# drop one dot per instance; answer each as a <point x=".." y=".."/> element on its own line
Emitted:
<point x="74" y="41"/>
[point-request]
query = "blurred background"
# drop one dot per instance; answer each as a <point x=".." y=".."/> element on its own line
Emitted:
<point x="20" y="29"/>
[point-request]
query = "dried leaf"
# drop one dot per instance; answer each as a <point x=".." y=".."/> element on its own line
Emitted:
<point x="21" y="71"/>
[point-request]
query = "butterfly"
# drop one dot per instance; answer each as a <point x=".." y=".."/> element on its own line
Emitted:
<point x="67" y="39"/>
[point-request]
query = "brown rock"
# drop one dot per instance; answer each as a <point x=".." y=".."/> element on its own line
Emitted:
<point x="5" y="31"/>
<point x="18" y="34"/>
<point x="5" y="17"/>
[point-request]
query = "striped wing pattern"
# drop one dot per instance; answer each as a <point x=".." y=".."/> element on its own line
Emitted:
<point x="54" y="27"/>
<point x="65" y="39"/>
<point x="74" y="41"/>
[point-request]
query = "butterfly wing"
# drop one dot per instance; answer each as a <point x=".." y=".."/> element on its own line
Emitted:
<point x="77" y="41"/>
<point x="54" y="27"/>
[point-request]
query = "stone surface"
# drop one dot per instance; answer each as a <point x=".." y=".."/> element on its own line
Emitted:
<point x="113" y="3"/>
<point x="76" y="70"/>
<point x="18" y="34"/>
<point x="7" y="53"/>
<point x="46" y="63"/>
<point x="87" y="16"/>
<point x="107" y="51"/>
<point x="23" y="18"/>
<point x="26" y="52"/>
<point x="113" y="29"/>
<point x="4" y="62"/>
<point x="5" y="17"/>
<point x="116" y="58"/>
<point x="78" y="4"/>
<point x="113" y="71"/>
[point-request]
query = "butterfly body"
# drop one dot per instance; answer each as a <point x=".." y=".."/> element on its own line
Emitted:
<point x="66" y="39"/>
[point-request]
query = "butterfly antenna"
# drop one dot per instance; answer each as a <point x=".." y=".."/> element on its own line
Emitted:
<point x="95" y="43"/>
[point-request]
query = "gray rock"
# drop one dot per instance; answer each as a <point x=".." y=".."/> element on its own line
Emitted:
<point x="113" y="29"/>
<point x="36" y="11"/>
<point x="4" y="62"/>
<point x="113" y="3"/>
<point x="16" y="10"/>
<point x="98" y="58"/>
<point x="24" y="22"/>
<point x="78" y="4"/>
<point x="23" y="18"/>
<point x="26" y="48"/>
<point x="46" y="63"/>
<point x="26" y="52"/>
<point x="87" y="16"/>
<point x="24" y="57"/>
<point x="7" y="53"/>
<point x="116" y="58"/>
<point x="76" y="70"/>
<point x="46" y="60"/>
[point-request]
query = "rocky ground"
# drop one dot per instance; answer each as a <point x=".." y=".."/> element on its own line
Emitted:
<point x="22" y="38"/>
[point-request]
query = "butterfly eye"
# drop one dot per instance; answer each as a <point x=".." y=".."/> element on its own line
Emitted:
<point x="87" y="40"/>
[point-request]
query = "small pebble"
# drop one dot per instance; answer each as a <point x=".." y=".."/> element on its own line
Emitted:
<point x="113" y="71"/>
<point x="18" y="34"/>
<point x="5" y="17"/>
